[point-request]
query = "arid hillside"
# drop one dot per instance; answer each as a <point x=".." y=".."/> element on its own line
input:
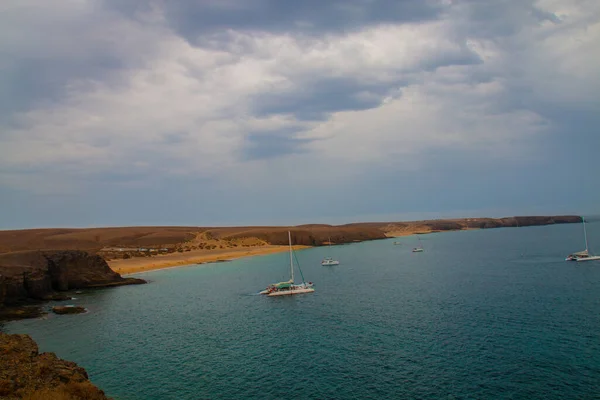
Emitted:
<point x="126" y="242"/>
<point x="94" y="239"/>
<point x="137" y="241"/>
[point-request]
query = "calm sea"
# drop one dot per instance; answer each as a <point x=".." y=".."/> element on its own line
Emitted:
<point x="484" y="314"/>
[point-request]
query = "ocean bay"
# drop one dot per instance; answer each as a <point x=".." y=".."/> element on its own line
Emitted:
<point x="479" y="314"/>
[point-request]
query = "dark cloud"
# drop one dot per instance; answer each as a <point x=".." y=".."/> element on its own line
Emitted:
<point x="263" y="145"/>
<point x="497" y="19"/>
<point x="31" y="81"/>
<point x="43" y="51"/>
<point x="192" y="19"/>
<point x="317" y="99"/>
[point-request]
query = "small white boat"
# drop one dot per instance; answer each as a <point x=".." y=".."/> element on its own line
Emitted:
<point x="289" y="288"/>
<point x="327" y="261"/>
<point x="584" y="255"/>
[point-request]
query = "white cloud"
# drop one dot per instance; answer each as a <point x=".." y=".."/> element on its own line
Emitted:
<point x="173" y="108"/>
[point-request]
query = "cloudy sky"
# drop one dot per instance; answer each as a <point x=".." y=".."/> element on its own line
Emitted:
<point x="209" y="112"/>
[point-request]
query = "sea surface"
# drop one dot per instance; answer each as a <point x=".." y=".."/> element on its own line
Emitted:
<point x="489" y="314"/>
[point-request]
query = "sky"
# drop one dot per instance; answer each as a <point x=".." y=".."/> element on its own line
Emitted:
<point x="258" y="112"/>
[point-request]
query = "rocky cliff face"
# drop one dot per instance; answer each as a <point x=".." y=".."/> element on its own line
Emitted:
<point x="24" y="373"/>
<point x="42" y="275"/>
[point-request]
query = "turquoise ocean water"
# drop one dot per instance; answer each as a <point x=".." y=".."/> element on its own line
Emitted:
<point x="484" y="314"/>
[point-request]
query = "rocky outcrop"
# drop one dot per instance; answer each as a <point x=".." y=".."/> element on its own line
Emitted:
<point x="68" y="310"/>
<point x="25" y="373"/>
<point x="42" y="275"/>
<point x="78" y="269"/>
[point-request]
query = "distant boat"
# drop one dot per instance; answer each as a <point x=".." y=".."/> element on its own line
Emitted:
<point x="289" y="288"/>
<point x="397" y="243"/>
<point x="328" y="260"/>
<point x="584" y="255"/>
<point x="418" y="249"/>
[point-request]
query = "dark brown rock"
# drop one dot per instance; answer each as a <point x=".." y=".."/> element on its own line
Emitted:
<point x="78" y="269"/>
<point x="19" y="312"/>
<point x="68" y="310"/>
<point x="27" y="374"/>
<point x="41" y="275"/>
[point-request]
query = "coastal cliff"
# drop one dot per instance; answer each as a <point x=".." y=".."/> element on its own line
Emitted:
<point x="32" y="276"/>
<point x="392" y="229"/>
<point x="27" y="374"/>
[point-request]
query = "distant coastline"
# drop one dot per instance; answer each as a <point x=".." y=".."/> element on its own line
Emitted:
<point x="130" y="250"/>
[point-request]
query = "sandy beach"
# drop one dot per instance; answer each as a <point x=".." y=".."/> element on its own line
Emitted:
<point x="143" y="264"/>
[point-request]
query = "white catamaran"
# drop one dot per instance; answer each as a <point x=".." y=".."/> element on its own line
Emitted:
<point x="289" y="288"/>
<point x="329" y="260"/>
<point x="420" y="248"/>
<point x="584" y="255"/>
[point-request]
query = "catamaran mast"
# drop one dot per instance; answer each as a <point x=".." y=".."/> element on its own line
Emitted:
<point x="584" y="234"/>
<point x="291" y="259"/>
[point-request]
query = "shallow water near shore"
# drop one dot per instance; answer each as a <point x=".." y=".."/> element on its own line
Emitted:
<point x="494" y="313"/>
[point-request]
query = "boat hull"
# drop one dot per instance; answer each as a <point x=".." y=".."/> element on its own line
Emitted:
<point x="591" y="258"/>
<point x="330" y="263"/>
<point x="417" y="250"/>
<point x="291" y="292"/>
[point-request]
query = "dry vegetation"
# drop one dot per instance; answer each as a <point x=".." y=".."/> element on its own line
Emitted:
<point x="94" y="239"/>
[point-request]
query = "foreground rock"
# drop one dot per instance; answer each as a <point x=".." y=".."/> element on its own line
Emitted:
<point x="68" y="310"/>
<point x="24" y="373"/>
<point x="34" y="276"/>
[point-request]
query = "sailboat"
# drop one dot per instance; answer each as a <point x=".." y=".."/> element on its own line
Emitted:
<point x="328" y="260"/>
<point x="289" y="288"/>
<point x="420" y="248"/>
<point x="584" y="255"/>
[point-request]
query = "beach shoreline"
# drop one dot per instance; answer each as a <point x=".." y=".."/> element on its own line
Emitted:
<point x="139" y="265"/>
<point x="144" y="264"/>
